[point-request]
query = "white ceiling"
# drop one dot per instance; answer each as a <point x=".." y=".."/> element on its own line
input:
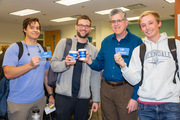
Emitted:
<point x="51" y="10"/>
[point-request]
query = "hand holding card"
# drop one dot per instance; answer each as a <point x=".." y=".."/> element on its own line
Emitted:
<point x="122" y="51"/>
<point x="45" y="55"/>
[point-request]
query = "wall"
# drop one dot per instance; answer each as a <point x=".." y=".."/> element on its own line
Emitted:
<point x="103" y="29"/>
<point x="167" y="26"/>
<point x="67" y="31"/>
<point x="12" y="32"/>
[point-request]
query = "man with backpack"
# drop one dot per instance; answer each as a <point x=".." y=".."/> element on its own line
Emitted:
<point x="157" y="73"/>
<point x="77" y="78"/>
<point x="27" y="74"/>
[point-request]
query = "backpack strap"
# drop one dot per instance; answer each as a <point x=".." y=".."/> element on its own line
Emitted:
<point x="172" y="48"/>
<point x="19" y="56"/>
<point x="20" y="49"/>
<point x="67" y="48"/>
<point x="45" y="50"/>
<point x="142" y="52"/>
<point x="54" y="77"/>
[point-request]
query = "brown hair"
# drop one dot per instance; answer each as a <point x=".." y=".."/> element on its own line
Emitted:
<point x="28" y="21"/>
<point x="83" y="17"/>
<point x="4" y="48"/>
<point x="145" y="13"/>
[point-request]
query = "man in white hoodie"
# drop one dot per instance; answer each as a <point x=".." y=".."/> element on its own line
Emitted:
<point x="158" y="94"/>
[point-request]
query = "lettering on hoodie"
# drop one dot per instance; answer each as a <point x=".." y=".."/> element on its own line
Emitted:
<point x="157" y="56"/>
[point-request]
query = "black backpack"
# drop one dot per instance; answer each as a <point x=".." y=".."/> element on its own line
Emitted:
<point x="172" y="48"/>
<point x="54" y="77"/>
<point x="4" y="86"/>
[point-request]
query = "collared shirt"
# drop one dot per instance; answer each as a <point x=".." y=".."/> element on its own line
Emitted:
<point x="105" y="58"/>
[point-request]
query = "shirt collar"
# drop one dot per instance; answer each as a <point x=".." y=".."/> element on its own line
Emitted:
<point x="125" y="38"/>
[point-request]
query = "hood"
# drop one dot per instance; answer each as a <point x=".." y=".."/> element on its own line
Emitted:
<point x="162" y="38"/>
<point x="154" y="48"/>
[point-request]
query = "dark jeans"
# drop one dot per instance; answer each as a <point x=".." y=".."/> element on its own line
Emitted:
<point x="167" y="111"/>
<point x="68" y="106"/>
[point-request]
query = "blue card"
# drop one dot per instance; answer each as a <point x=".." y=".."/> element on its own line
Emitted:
<point x="45" y="55"/>
<point x="122" y="51"/>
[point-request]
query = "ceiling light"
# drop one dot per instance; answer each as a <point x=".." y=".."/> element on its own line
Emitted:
<point x="133" y="18"/>
<point x="70" y="2"/>
<point x="104" y="12"/>
<point x="63" y="19"/>
<point x="24" y="12"/>
<point x="170" y="1"/>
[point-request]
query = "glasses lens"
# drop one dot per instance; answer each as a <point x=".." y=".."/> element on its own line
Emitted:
<point x="85" y="26"/>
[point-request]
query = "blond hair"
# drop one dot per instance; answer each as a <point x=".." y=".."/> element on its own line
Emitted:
<point x="4" y="48"/>
<point x="145" y="13"/>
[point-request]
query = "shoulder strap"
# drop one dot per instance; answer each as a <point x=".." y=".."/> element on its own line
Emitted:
<point x="142" y="52"/>
<point x="20" y="49"/>
<point x="45" y="50"/>
<point x="172" y="48"/>
<point x="68" y="47"/>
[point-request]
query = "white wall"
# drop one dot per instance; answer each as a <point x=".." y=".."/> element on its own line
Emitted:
<point x="10" y="33"/>
<point x="66" y="31"/>
<point x="102" y="29"/>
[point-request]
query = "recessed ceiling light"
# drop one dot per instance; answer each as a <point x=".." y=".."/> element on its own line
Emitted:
<point x="170" y="1"/>
<point x="70" y="2"/>
<point x="24" y="12"/>
<point x="133" y="18"/>
<point x="104" y="12"/>
<point x="63" y="19"/>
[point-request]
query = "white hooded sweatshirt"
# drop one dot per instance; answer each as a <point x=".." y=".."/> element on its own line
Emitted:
<point x="159" y="70"/>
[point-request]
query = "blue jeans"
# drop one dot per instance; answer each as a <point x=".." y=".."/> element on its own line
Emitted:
<point x="167" y="111"/>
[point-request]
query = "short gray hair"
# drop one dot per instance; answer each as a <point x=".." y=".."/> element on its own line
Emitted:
<point x="117" y="11"/>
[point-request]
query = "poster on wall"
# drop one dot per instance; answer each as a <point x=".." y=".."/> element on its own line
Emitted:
<point x="178" y="24"/>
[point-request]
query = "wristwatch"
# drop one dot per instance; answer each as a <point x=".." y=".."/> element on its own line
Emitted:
<point x="51" y="95"/>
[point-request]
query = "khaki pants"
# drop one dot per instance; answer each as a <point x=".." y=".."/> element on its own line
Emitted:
<point x="23" y="111"/>
<point x="114" y="101"/>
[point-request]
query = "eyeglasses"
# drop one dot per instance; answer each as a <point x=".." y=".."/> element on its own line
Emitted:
<point x="118" y="21"/>
<point x="81" y="26"/>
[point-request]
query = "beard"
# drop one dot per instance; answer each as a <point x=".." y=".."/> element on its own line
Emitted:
<point x="79" y="35"/>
